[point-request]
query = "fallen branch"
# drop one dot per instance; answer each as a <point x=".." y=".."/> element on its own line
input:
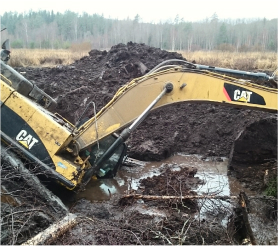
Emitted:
<point x="76" y="90"/>
<point x="150" y="197"/>
<point x="139" y="196"/>
<point x="54" y="231"/>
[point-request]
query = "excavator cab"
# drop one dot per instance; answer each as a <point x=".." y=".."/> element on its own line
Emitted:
<point x="111" y="166"/>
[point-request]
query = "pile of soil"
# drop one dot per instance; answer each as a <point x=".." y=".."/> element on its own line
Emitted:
<point x="253" y="157"/>
<point x="190" y="128"/>
<point x="257" y="143"/>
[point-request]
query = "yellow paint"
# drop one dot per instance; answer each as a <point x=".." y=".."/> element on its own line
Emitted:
<point x="6" y="91"/>
<point x="242" y="99"/>
<point x="67" y="169"/>
<point x="24" y="143"/>
<point x="51" y="134"/>
<point x="113" y="127"/>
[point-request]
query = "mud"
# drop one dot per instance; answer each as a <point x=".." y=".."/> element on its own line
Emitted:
<point x="190" y="128"/>
<point x="131" y="221"/>
<point x="208" y="130"/>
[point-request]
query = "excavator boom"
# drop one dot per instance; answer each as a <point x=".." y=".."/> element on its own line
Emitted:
<point x="189" y="85"/>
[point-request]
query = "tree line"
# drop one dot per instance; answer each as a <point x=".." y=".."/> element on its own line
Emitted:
<point x="46" y="29"/>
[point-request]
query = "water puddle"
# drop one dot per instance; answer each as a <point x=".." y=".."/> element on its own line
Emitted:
<point x="212" y="172"/>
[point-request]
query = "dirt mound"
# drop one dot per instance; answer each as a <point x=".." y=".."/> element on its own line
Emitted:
<point x="190" y="128"/>
<point x="171" y="183"/>
<point x="253" y="157"/>
<point x="96" y="77"/>
<point x="256" y="144"/>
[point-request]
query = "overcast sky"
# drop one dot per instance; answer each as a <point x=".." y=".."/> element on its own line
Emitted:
<point x="153" y="10"/>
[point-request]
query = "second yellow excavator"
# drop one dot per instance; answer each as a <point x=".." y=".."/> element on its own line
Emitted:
<point x="75" y="154"/>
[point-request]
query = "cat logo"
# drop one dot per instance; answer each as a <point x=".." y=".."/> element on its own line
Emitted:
<point x="243" y="96"/>
<point x="239" y="94"/>
<point x="27" y="140"/>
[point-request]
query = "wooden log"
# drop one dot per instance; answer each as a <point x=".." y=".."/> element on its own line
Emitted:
<point x="54" y="231"/>
<point x="139" y="196"/>
<point x="31" y="179"/>
<point x="150" y="197"/>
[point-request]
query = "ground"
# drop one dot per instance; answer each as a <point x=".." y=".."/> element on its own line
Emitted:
<point x="132" y="221"/>
<point x="208" y="130"/>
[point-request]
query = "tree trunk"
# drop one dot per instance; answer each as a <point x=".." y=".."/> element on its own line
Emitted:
<point x="54" y="231"/>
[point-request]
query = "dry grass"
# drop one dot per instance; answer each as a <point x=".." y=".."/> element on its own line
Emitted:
<point x="234" y="60"/>
<point x="266" y="61"/>
<point x="44" y="57"/>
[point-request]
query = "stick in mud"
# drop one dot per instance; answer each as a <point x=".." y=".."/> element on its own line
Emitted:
<point x="139" y="196"/>
<point x="242" y="202"/>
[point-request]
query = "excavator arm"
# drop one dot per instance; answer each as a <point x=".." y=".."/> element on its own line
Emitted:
<point x="132" y="103"/>
<point x="189" y="85"/>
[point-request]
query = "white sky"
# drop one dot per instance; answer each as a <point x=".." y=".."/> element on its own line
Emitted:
<point x="153" y="10"/>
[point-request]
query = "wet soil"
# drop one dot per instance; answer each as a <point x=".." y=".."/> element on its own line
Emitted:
<point x="208" y="130"/>
<point x="156" y="221"/>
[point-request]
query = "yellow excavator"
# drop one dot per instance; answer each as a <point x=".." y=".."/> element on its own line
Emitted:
<point x="74" y="154"/>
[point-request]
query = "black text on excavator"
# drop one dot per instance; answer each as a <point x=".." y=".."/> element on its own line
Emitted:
<point x="73" y="155"/>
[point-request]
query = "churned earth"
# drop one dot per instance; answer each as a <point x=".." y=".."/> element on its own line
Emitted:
<point x="204" y="129"/>
<point x="247" y="137"/>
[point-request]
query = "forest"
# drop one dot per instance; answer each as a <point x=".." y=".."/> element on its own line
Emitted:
<point x="49" y="30"/>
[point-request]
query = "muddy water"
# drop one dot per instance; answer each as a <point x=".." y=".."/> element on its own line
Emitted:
<point x="216" y="182"/>
<point x="212" y="172"/>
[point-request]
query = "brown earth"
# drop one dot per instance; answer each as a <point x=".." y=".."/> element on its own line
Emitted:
<point x="209" y="130"/>
<point x="130" y="221"/>
<point x="191" y="128"/>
